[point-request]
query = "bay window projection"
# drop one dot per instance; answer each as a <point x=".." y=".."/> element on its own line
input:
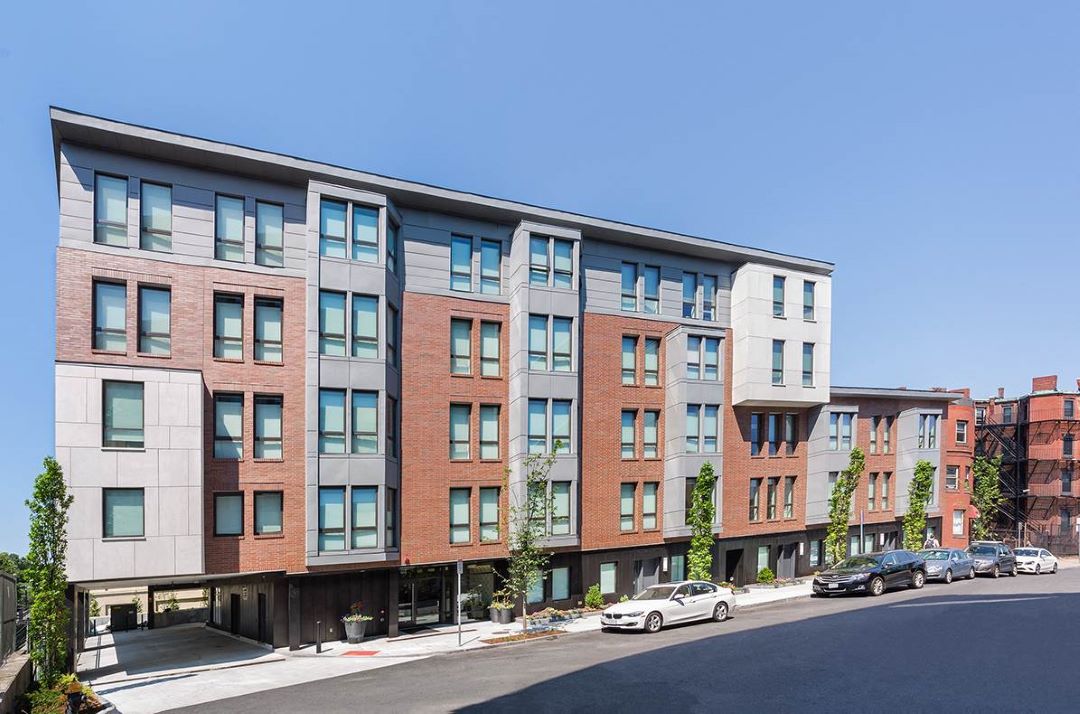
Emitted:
<point x="365" y="420"/>
<point x="365" y="327"/>
<point x="332" y="224"/>
<point x="331" y="518"/>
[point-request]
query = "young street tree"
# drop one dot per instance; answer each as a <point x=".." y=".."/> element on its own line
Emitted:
<point x="840" y="507"/>
<point x="919" y="493"/>
<point x="528" y="527"/>
<point x="985" y="495"/>
<point x="46" y="579"/>
<point x="700" y="519"/>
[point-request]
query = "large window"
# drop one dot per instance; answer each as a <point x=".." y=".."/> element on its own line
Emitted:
<point x="489" y="431"/>
<point x="562" y="263"/>
<point x="365" y="421"/>
<point x="461" y="263"/>
<point x="268" y="427"/>
<point x="489" y="514"/>
<point x="807" y="364"/>
<point x="777" y="361"/>
<point x="652" y="362"/>
<point x="702" y="358"/>
<point x="489" y="349"/>
<point x="228" y="514"/>
<point x="538" y="260"/>
<point x="365" y="326"/>
<point x="155" y="214"/>
<point x="460" y="416"/>
<point x="229" y="229"/>
<point x="629" y="287"/>
<point x="608" y="578"/>
<point x="460" y="531"/>
<point x="228" y="326"/>
<point x="789" y="496"/>
<point x="626" y="506"/>
<point x="652" y="290"/>
<point x="648" y="505"/>
<point x="365" y="240"/>
<point x="122" y="512"/>
<point x="693" y="428"/>
<point x="650" y="435"/>
<point x="755" y="492"/>
<point x="154" y="320"/>
<point x="110" y="210"/>
<point x="268" y="342"/>
<point x="331" y="421"/>
<point x="365" y="521"/>
<point x="808" y="300"/>
<point x="928" y="431"/>
<point x="490" y="267"/>
<point x="110" y="316"/>
<point x="756" y="434"/>
<point x="269" y="234"/>
<point x="268" y="512"/>
<point x="770" y="497"/>
<point x="629" y="428"/>
<point x="561" y="340"/>
<point x="689" y="292"/>
<point x="537" y="426"/>
<point x="952" y="477"/>
<point x="560" y="426"/>
<point x="778" y="296"/>
<point x="629" y="359"/>
<point x="332" y="222"/>
<point x="460" y="346"/>
<point x="708" y="297"/>
<point x="228" y="426"/>
<point x="560" y="507"/>
<point x="331" y="518"/>
<point x="332" y="323"/>
<point x="538" y="342"/>
<point x="122" y="404"/>
<point x="840" y="426"/>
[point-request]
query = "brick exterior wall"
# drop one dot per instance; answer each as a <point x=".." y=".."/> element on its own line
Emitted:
<point x="960" y="454"/>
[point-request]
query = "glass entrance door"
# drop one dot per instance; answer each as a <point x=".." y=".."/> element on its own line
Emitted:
<point x="420" y="599"/>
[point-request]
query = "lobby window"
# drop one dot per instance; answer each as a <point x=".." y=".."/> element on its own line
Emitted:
<point x="815" y="552"/>
<point x="122" y="423"/>
<point x="228" y="326"/>
<point x="365" y="420"/>
<point x="229" y="228"/>
<point x="269" y="234"/>
<point x="608" y="572"/>
<point x="460" y="416"/>
<point x="122" y="512"/>
<point x="1070" y="408"/>
<point x="228" y="514"/>
<point x="489" y="514"/>
<point x="538" y="260"/>
<point x="155" y="217"/>
<point x="808" y="300"/>
<point x="693" y="428"/>
<point x="331" y="421"/>
<point x="489" y="431"/>
<point x="1066" y="480"/>
<point x="560" y="426"/>
<point x="689" y="295"/>
<point x="460" y="531"/>
<point x="629" y="359"/>
<point x="365" y="239"/>
<point x="756" y="439"/>
<point x="268" y="427"/>
<point x="537" y="426"/>
<point x="562" y="263"/>
<point x="626" y="506"/>
<point x="268" y="343"/>
<point x="391" y="427"/>
<point x="331" y="518"/>
<point x="560" y="508"/>
<point x="628" y="431"/>
<point x="774" y="434"/>
<point x="808" y="364"/>
<point x="1067" y="446"/>
<point x="629" y="287"/>
<point x="490" y="342"/>
<point x="755" y="492"/>
<point x="560" y="583"/>
<point x="678" y="568"/>
<point x="110" y="316"/>
<point x="791" y="432"/>
<point x="392" y="234"/>
<point x="110" y="210"/>
<point x="958" y="522"/>
<point x="460" y="346"/>
<point x="332" y="221"/>
<point x="365" y="522"/>
<point x="561" y="340"/>
<point x="875" y="422"/>
<point x="770" y="497"/>
<point x="268" y="512"/>
<point x="652" y="290"/>
<point x="391" y="335"/>
<point x="789" y="496"/>
<point x="650" y="436"/>
<point x="710" y="429"/>
<point x="708" y="299"/>
<point x="778" y="296"/>
<point x="365" y="325"/>
<point x="693" y="357"/>
<point x="154" y="320"/>
<point x="652" y="362"/>
<point x="490" y="267"/>
<point x="777" y="361"/>
<point x="228" y="426"/>
<point x="461" y="263"/>
<point x="650" y="489"/>
<point x="952" y="477"/>
<point x="390" y="520"/>
<point x="332" y="323"/>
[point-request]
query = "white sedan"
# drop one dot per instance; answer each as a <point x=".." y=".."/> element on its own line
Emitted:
<point x="1035" y="560"/>
<point x="670" y="603"/>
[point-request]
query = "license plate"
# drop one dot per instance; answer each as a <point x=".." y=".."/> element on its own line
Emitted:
<point x="834" y="586"/>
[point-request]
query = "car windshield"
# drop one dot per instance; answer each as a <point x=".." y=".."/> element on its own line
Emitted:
<point x="860" y="561"/>
<point x="657" y="592"/>
<point x="935" y="555"/>
<point x="1027" y="551"/>
<point x="982" y="550"/>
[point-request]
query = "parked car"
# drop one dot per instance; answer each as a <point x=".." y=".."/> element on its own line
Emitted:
<point x="872" y="573"/>
<point x="947" y="563"/>
<point x="669" y="603"/>
<point x="992" y="558"/>
<point x="1035" y="560"/>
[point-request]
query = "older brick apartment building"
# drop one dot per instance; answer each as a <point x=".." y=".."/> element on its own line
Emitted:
<point x="302" y="386"/>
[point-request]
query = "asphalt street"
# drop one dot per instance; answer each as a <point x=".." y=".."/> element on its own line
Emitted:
<point x="1006" y="645"/>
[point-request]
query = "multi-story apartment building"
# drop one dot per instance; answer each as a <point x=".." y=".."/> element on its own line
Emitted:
<point x="303" y="386"/>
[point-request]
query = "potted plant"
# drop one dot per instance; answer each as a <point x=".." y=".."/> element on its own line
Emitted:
<point x="356" y="622"/>
<point x="501" y="611"/>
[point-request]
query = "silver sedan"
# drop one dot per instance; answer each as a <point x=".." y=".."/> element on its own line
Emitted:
<point x="946" y="564"/>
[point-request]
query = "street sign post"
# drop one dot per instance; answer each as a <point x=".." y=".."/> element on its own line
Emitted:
<point x="460" y="567"/>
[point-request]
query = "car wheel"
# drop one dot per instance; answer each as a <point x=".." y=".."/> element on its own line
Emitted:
<point x="918" y="579"/>
<point x="1054" y="571"/>
<point x="1014" y="571"/>
<point x="653" y="623"/>
<point x="995" y="572"/>
<point x="1038" y="569"/>
<point x="971" y="573"/>
<point x="877" y="587"/>
<point x="720" y="613"/>
<point x="948" y="577"/>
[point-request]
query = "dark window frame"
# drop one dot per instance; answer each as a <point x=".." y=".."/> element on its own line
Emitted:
<point x="142" y="530"/>
<point x="219" y="494"/>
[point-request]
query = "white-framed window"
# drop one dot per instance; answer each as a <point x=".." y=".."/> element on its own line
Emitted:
<point x="961" y="432"/>
<point x="958" y="522"/>
<point x="952" y="477"/>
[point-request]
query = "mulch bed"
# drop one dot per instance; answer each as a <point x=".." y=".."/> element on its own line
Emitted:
<point x="523" y="636"/>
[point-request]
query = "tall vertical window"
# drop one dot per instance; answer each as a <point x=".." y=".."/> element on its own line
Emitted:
<point x="122" y="425"/>
<point x="460" y="416"/>
<point x="778" y="296"/>
<point x="560" y="508"/>
<point x="777" y="361"/>
<point x="840" y="430"/>
<point x="693" y="428"/>
<point x="885" y="479"/>
<point x="629" y="359"/>
<point x="489" y="514"/>
<point x="791" y="432"/>
<point x="1066" y="480"/>
<point x="390" y="521"/>
<point x="268" y="512"/>
<point x="648" y="505"/>
<point x="708" y="297"/>
<point x="331" y="518"/>
<point x="958" y="522"/>
<point x="871" y="492"/>
<point x="229" y="228"/>
<point x="490" y="267"/>
<point x="626" y="506"/>
<point x="365" y="239"/>
<point x="755" y="492"/>
<point x="789" y="496"/>
<point x="755" y="434"/>
<point x="228" y="426"/>
<point x="538" y="342"/>
<point x="268" y="344"/>
<point x="460" y="346"/>
<point x="365" y="420"/>
<point x="332" y="323"/>
<point x="537" y="426"/>
<point x="489" y="431"/>
<point x="928" y="431"/>
<point x="461" y="263"/>
<point x="123" y="512"/>
<point x="269" y="234"/>
<point x="332" y="222"/>
<point x="678" y="568"/>
<point x="1007" y="414"/>
<point x="875" y="421"/>
<point x="885" y="432"/>
<point x="770" y="497"/>
<point x="391" y="335"/>
<point x="712" y="358"/>
<point x="652" y="362"/>
<point x="331" y="421"/>
<point x="1069" y="407"/>
<point x="110" y="210"/>
<point x="1067" y="446"/>
<point x="154" y="319"/>
<point x="952" y="477"/>
<point x="365" y="324"/>
<point x="391" y="427"/>
<point x="560" y="583"/>
<point x="689" y="295"/>
<point x="808" y="364"/>
<point x="538" y="260"/>
<point x="561" y="330"/>
<point x="650" y="434"/>
<point x="228" y="514"/>
<point x="1065" y="521"/>
<point x="267" y="427"/>
<point x="628" y="433"/>
<point x="808" y="300"/>
<point x="562" y="263"/>
<point x="560" y="426"/>
<point x="774" y="434"/>
<point x="391" y="246"/>
<point x="460" y="531"/>
<point x="629" y="287"/>
<point x="652" y="290"/>
<point x="228" y="326"/>
<point x="110" y="316"/>
<point x="710" y="428"/>
<point x="489" y="349"/>
<point x="155" y="214"/>
<point x="845" y="430"/>
<point x="693" y="357"/>
<point x="365" y="522"/>
<point x="961" y="432"/>
<point x="688" y="498"/>
<point x="608" y="576"/>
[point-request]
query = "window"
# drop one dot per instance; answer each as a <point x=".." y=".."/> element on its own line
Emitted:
<point x="807" y="364"/>
<point x="560" y="508"/>
<point x="391" y="427"/>
<point x="560" y="583"/>
<point x="961" y="432"/>
<point x="629" y="360"/>
<point x="626" y="506"/>
<point x="267" y="427"/>
<point x="331" y="421"/>
<point x="710" y="428"/>
<point x="365" y="508"/>
<point x="833" y="477"/>
<point x="693" y="357"/>
<point x="652" y="362"/>
<point x="489" y="349"/>
<point x="460" y="346"/>
<point x="693" y="428"/>
<point x="110" y="316"/>
<point x="489" y="514"/>
<point x="789" y="496"/>
<point x="489" y="431"/>
<point x="229" y="228"/>
<point x="461" y="263"/>
<point x="815" y="552"/>
<point x="712" y="358"/>
<point x="391" y="246"/>
<point x="365" y="239"/>
<point x="460" y="416"/>
<point x="538" y="342"/>
<point x="391" y="335"/>
<point x="755" y="490"/>
<point x="708" y="299"/>
<point x="952" y="477"/>
<point x="110" y="210"/>
<point x="269" y="234"/>
<point x="1066" y="480"/>
<point x="268" y="344"/>
<point x="538" y="260"/>
<point x="688" y="498"/>
<point x="560" y="343"/>
<point x="652" y="290"/>
<point x="778" y="296"/>
<point x="791" y="432"/>
<point x="607" y="577"/>
<point x="535" y="593"/>
<point x="840" y="430"/>
<point x="1069" y="406"/>
<point x="928" y="431"/>
<point x="871" y="492"/>
<point x="391" y="518"/>
<point x="228" y="514"/>
<point x="154" y="311"/>
<point x="980" y="416"/>
<point x="332" y="221"/>
<point x="1065" y="518"/>
<point x="122" y="512"/>
<point x="875" y="421"/>
<point x="228" y="426"/>
<point x="629" y="287"/>
<point x="777" y="361"/>
<point x="689" y="295"/>
<point x="1067" y="446"/>
<point x="808" y="300"/>
<point x="648" y="505"/>
<point x="459" y="515"/>
<point x="562" y="264"/>
<point x="755" y="434"/>
<point x="678" y="568"/>
<point x="537" y="426"/>
<point x="885" y="479"/>
<point x="122" y="426"/>
<point x="332" y="323"/>
<point x="365" y="325"/>
<point x="268" y="512"/>
<point x="365" y="419"/>
<point x="774" y="434"/>
<point x="886" y="432"/>
<point x="770" y="497"/>
<point x="1007" y="414"/>
<point x="958" y="522"/>
<point x="652" y="420"/>
<point x="155" y="213"/>
<point x="331" y="518"/>
<point x="560" y="426"/>
<point x="629" y="429"/>
<point x="490" y="267"/>
<point x="228" y="326"/>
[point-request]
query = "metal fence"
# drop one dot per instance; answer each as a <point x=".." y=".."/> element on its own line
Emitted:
<point x="13" y="617"/>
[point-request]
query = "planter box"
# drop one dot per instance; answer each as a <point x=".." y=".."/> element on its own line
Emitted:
<point x="354" y="631"/>
<point x="501" y="615"/>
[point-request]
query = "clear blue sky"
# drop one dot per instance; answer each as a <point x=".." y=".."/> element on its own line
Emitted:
<point x="928" y="149"/>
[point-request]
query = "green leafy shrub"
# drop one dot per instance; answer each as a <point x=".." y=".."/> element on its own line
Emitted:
<point x="766" y="575"/>
<point x="624" y="598"/>
<point x="593" y="598"/>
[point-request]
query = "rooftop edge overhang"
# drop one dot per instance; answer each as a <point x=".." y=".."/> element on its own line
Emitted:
<point x="111" y="135"/>
<point x="894" y="393"/>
